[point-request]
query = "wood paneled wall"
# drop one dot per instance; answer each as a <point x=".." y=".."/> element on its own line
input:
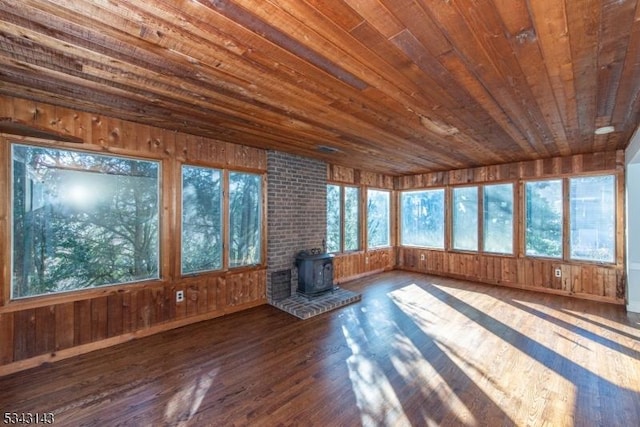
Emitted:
<point x="345" y="175"/>
<point x="41" y="329"/>
<point x="605" y="282"/>
<point x="589" y="281"/>
<point x="352" y="265"/>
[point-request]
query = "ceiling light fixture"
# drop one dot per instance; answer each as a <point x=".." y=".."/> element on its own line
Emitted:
<point x="605" y="130"/>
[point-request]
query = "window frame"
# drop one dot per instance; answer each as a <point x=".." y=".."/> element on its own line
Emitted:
<point x="342" y="199"/>
<point x="359" y="192"/>
<point x="568" y="220"/>
<point x="340" y="222"/>
<point x="515" y="216"/>
<point x="564" y="231"/>
<point x="223" y="219"/>
<point x="444" y="218"/>
<point x="389" y="218"/>
<point x="262" y="210"/>
<point x="479" y="219"/>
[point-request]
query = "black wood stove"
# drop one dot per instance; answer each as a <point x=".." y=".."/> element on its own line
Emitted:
<point x="315" y="272"/>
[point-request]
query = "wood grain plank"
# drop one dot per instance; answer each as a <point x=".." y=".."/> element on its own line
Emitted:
<point x="115" y="314"/>
<point x="583" y="26"/>
<point x="550" y="23"/>
<point x="64" y="325"/>
<point x="45" y="330"/>
<point x="6" y="338"/>
<point x="24" y="335"/>
<point x="82" y="322"/>
<point x="99" y="318"/>
<point x="616" y="19"/>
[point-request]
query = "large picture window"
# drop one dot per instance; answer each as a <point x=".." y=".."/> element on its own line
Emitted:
<point x="498" y="218"/>
<point x="423" y="218"/>
<point x="465" y="218"/>
<point x="201" y="219"/>
<point x="543" y="218"/>
<point x="245" y="224"/>
<point x="378" y="224"/>
<point x="81" y="220"/>
<point x="593" y="220"/>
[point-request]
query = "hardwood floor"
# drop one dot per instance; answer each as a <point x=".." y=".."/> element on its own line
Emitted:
<point x="417" y="350"/>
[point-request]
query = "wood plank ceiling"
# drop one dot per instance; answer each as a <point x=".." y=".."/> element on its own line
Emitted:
<point x="395" y="86"/>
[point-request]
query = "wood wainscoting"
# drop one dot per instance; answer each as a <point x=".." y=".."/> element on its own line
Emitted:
<point x="596" y="282"/>
<point x="354" y="265"/>
<point x="417" y="350"/>
<point x="48" y="328"/>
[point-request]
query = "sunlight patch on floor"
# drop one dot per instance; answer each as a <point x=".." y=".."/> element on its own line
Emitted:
<point x="416" y="370"/>
<point x="375" y="396"/>
<point x="185" y="403"/>
<point x="457" y="337"/>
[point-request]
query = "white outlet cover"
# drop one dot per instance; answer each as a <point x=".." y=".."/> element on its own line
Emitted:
<point x="179" y="296"/>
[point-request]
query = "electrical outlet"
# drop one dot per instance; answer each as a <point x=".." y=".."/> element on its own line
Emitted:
<point x="558" y="272"/>
<point x="179" y="296"/>
<point x="422" y="257"/>
<point x="366" y="260"/>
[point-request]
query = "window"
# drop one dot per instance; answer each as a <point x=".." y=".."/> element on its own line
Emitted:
<point x="351" y="218"/>
<point x="465" y="218"/>
<point x="543" y="218"/>
<point x="592" y="214"/>
<point x="245" y="231"/>
<point x="334" y="242"/>
<point x="378" y="228"/>
<point x="343" y="218"/>
<point x="498" y="218"/>
<point x="423" y="218"/>
<point x="201" y="219"/>
<point x="81" y="220"/>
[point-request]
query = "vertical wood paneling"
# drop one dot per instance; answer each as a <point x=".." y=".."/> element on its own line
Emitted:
<point x="144" y="308"/>
<point x="349" y="266"/>
<point x="99" y="316"/>
<point x="114" y="314"/>
<point x="74" y="124"/>
<point x="6" y="338"/>
<point x="82" y="323"/>
<point x="45" y="328"/>
<point x="24" y="338"/>
<point x="24" y="111"/>
<point x="64" y="325"/>
<point x="192" y="295"/>
<point x="598" y="282"/>
<point x="605" y="162"/>
<point x="245" y="287"/>
<point x="129" y="306"/>
<point x="343" y="174"/>
<point x="215" y="293"/>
